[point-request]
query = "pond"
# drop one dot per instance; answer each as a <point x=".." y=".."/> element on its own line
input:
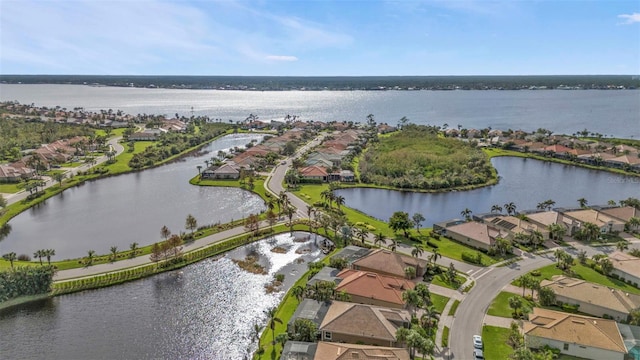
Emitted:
<point x="120" y="210"/>
<point x="203" y="311"/>
<point x="525" y="182"/>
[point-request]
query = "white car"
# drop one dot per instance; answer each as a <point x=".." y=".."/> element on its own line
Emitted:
<point x="477" y="354"/>
<point x="477" y="342"/>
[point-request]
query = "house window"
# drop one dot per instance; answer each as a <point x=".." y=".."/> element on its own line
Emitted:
<point x="566" y="347"/>
<point x="327" y="335"/>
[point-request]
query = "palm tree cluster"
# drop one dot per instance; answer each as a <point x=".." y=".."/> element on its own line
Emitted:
<point x="417" y="337"/>
<point x="44" y="253"/>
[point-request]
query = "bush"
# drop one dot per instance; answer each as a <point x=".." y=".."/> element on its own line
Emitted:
<point x="24" y="257"/>
<point x="429" y="243"/>
<point x="471" y="257"/>
<point x="535" y="273"/>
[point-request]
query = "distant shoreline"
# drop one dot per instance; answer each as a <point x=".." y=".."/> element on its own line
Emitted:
<point x="341" y="83"/>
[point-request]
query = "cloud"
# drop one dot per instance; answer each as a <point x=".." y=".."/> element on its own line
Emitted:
<point x="281" y="58"/>
<point x="630" y="18"/>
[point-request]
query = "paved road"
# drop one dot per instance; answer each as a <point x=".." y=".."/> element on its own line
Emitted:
<point x="470" y="313"/>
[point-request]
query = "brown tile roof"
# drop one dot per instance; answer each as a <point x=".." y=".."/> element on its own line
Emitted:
<point x="336" y="351"/>
<point x="624" y="213"/>
<point x="313" y="171"/>
<point x="546" y="217"/>
<point x="626" y="263"/>
<point x="363" y="320"/>
<point x="575" y="329"/>
<point x="591" y="293"/>
<point x="389" y="262"/>
<point x="592" y="216"/>
<point x="476" y="231"/>
<point x="373" y="286"/>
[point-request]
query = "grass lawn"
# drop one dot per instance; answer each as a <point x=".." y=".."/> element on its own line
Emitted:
<point x="495" y="343"/>
<point x="258" y="185"/>
<point x="5" y="265"/>
<point x="588" y="274"/>
<point x="446" y="247"/>
<point x="11" y="188"/>
<point x="454" y="307"/>
<point x="122" y="160"/>
<point x="440" y="281"/>
<point x="500" y="305"/>
<point x="439" y="302"/>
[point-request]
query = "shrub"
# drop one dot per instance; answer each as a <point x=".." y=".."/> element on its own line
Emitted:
<point x="471" y="257"/>
<point x="24" y="257"/>
<point x="429" y="243"/>
<point x="535" y="273"/>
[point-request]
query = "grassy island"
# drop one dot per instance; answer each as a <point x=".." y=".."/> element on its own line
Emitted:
<point x="417" y="158"/>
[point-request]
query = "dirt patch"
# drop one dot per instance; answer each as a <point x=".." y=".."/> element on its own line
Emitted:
<point x="250" y="264"/>
<point x="279" y="250"/>
<point x="273" y="286"/>
<point x="301" y="238"/>
<point x="303" y="250"/>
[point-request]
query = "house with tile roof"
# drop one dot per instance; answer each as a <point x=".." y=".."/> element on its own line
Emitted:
<point x="371" y="288"/>
<point x="513" y="226"/>
<point x="576" y="335"/>
<point x="475" y="234"/>
<point x="311" y="310"/>
<point x="593" y="299"/>
<point x="336" y="351"/>
<point x="605" y="223"/>
<point x="390" y="263"/>
<point x="626" y="267"/>
<point x="362" y="323"/>
<point x="313" y="173"/>
<point x="12" y="173"/>
<point x="622" y="213"/>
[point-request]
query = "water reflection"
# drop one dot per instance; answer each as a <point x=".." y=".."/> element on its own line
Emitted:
<point x="525" y="182"/>
<point x="204" y="311"/>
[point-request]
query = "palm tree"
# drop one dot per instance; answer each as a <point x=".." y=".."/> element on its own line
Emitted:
<point x="591" y="231"/>
<point x="298" y="292"/>
<point x="417" y="250"/>
<point x="10" y="257"/>
<point x="536" y="238"/>
<point x="634" y="223"/>
<point x="379" y="239"/>
<point x="272" y="320"/>
<point x="466" y="213"/>
<point x="49" y="253"/>
<point x="59" y="177"/>
<point x="134" y="249"/>
<point x="435" y="255"/>
<point x="339" y="201"/>
<point x="199" y="169"/>
<point x="361" y="234"/>
<point x="255" y="332"/>
<point x="583" y="202"/>
<point x="394" y="245"/>
<point x="90" y="255"/>
<point x="429" y="319"/>
<point x="412" y="300"/>
<point x="39" y="254"/>
<point x="114" y="253"/>
<point x="510" y="207"/>
<point x="496" y="208"/>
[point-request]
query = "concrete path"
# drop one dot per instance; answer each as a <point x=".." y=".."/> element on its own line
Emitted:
<point x="497" y="321"/>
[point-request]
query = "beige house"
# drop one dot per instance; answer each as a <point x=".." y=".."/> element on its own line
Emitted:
<point x="335" y="351"/>
<point x="593" y="299"/>
<point x="372" y="288"/>
<point x="605" y="223"/>
<point x="391" y="263"/>
<point x="474" y="234"/>
<point x="365" y="324"/>
<point x="513" y="226"/>
<point x="626" y="267"/>
<point x="575" y="335"/>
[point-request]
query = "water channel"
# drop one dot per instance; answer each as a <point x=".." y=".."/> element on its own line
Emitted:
<point x="525" y="182"/>
<point x="120" y="210"/>
<point x="204" y="311"/>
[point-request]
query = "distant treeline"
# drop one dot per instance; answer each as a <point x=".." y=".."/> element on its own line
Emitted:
<point x="273" y="83"/>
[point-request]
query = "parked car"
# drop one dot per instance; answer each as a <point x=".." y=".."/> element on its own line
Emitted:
<point x="477" y="354"/>
<point x="477" y="342"/>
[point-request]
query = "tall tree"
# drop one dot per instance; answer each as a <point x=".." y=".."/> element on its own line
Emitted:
<point x="165" y="232"/>
<point x="191" y="223"/>
<point x="582" y="202"/>
<point x="417" y="250"/>
<point x="10" y="257"/>
<point x="134" y="249"/>
<point x="400" y="221"/>
<point x="49" y="253"/>
<point x="380" y="239"/>
<point x="418" y="218"/>
<point x="39" y="254"/>
<point x="466" y="213"/>
<point x="272" y="320"/>
<point x="510" y="207"/>
<point x="114" y="253"/>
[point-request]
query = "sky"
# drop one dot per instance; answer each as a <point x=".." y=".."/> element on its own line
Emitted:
<point x="320" y="38"/>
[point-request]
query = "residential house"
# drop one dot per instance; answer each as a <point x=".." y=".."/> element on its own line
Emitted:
<point x="514" y="226"/>
<point x="372" y="288"/>
<point x="226" y="171"/>
<point x="593" y="299"/>
<point x="627" y="161"/>
<point x="475" y="234"/>
<point x="145" y="135"/>
<point x="364" y="324"/>
<point x="316" y="173"/>
<point x="311" y="310"/>
<point x="390" y="263"/>
<point x="626" y="267"/>
<point x="174" y="125"/>
<point x="605" y="223"/>
<point x="544" y="219"/>
<point x="575" y="335"/>
<point x="352" y="253"/>
<point x="336" y="351"/>
<point x="15" y="172"/>
<point x="622" y="213"/>
<point x="347" y="176"/>
<point x="298" y="350"/>
<point x="327" y="273"/>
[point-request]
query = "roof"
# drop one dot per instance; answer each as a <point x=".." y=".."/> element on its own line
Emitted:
<point x="624" y="213"/>
<point x="595" y="294"/>
<point x="545" y="217"/>
<point x="325" y="274"/>
<point x="592" y="216"/>
<point x="336" y="351"/>
<point x="373" y="286"/>
<point x="364" y="320"/>
<point x="226" y="169"/>
<point x="313" y="171"/>
<point x="298" y="350"/>
<point x="626" y="263"/>
<point x="388" y="262"/>
<point x="511" y="223"/>
<point x="575" y="329"/>
<point x="352" y="253"/>
<point x="311" y="310"/>
<point x="477" y="231"/>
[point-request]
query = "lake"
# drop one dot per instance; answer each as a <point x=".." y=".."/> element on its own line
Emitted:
<point x="614" y="113"/>
<point x="203" y="311"/>
<point x="525" y="182"/>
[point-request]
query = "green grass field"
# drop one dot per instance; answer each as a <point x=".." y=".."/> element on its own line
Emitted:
<point x="495" y="343"/>
<point x="500" y="305"/>
<point x="454" y="307"/>
<point x="11" y="188"/>
<point x="439" y="302"/>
